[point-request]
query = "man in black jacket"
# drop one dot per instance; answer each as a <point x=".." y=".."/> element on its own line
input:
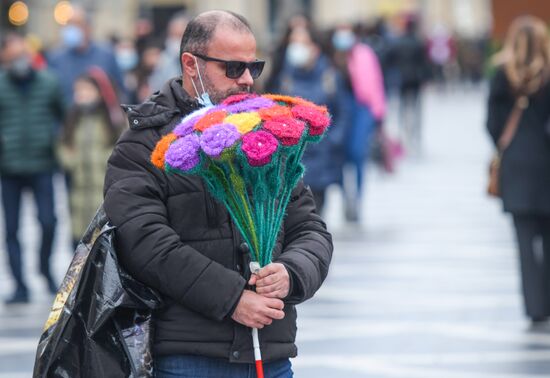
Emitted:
<point x="173" y="236"/>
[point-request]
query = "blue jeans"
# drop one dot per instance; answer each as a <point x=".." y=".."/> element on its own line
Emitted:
<point x="358" y="142"/>
<point x="187" y="366"/>
<point x="12" y="189"/>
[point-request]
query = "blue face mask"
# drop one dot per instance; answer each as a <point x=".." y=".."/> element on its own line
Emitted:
<point x="127" y="59"/>
<point x="343" y="40"/>
<point x="72" y="36"/>
<point x="204" y="98"/>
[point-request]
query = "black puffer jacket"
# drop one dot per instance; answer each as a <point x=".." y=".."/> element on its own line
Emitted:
<point x="525" y="165"/>
<point x="173" y="236"/>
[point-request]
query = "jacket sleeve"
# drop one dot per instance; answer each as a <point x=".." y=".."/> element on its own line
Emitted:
<point x="499" y="105"/>
<point x="307" y="248"/>
<point x="150" y="249"/>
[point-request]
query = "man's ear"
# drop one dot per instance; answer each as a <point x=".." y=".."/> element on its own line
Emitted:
<point x="189" y="65"/>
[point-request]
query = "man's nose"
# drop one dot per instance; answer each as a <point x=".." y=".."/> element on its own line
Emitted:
<point x="246" y="78"/>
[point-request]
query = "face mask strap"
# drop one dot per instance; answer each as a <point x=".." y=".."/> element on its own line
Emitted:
<point x="203" y="99"/>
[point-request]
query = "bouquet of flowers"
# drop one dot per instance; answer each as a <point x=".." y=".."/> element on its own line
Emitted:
<point x="248" y="151"/>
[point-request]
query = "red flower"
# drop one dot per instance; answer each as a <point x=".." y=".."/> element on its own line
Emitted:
<point x="317" y="120"/>
<point x="287" y="129"/>
<point x="210" y="119"/>
<point x="275" y="111"/>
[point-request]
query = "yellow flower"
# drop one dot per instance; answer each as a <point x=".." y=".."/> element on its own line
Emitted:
<point x="245" y="122"/>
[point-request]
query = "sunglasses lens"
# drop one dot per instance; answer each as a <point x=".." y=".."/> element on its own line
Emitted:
<point x="234" y="70"/>
<point x="256" y="69"/>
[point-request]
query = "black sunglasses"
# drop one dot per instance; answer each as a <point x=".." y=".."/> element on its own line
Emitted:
<point x="234" y="68"/>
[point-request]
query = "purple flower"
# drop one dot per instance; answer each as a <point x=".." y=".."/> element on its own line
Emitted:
<point x="186" y="127"/>
<point x="218" y="137"/>
<point x="248" y="105"/>
<point x="183" y="154"/>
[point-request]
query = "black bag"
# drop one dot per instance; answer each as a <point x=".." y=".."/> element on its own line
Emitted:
<point x="100" y="323"/>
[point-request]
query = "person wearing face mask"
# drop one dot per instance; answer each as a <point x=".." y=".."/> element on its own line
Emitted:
<point x="93" y="125"/>
<point x="309" y="73"/>
<point x="31" y="109"/>
<point x="173" y="236"/>
<point x="169" y="65"/>
<point x="360" y="66"/>
<point x="79" y="52"/>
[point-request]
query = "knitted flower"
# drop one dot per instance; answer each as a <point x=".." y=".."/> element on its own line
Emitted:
<point x="217" y="138"/>
<point x="210" y="119"/>
<point x="287" y="129"/>
<point x="238" y="98"/>
<point x="183" y="154"/>
<point x="258" y="147"/>
<point x="248" y="105"/>
<point x="318" y="121"/>
<point x="295" y="101"/>
<point x="245" y="122"/>
<point x="186" y="126"/>
<point x="274" y="111"/>
<point x="157" y="156"/>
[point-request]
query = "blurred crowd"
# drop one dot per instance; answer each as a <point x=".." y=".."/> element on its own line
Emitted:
<point x="59" y="108"/>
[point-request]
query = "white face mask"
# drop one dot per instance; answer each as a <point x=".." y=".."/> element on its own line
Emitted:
<point x="204" y="98"/>
<point x="298" y="54"/>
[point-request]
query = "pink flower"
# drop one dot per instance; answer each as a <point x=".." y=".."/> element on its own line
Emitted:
<point x="287" y="129"/>
<point x="317" y="120"/>
<point x="259" y="147"/>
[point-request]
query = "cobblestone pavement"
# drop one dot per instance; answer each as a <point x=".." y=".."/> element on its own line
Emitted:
<point x="426" y="287"/>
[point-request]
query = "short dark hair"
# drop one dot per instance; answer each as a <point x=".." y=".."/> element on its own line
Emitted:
<point x="200" y="29"/>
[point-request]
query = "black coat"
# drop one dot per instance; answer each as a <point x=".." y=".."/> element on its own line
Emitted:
<point x="525" y="165"/>
<point x="173" y="236"/>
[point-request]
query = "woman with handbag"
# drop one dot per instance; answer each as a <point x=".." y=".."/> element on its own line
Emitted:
<point x="518" y="110"/>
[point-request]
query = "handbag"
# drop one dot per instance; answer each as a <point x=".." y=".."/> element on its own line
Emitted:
<point x="493" y="187"/>
<point x="100" y="322"/>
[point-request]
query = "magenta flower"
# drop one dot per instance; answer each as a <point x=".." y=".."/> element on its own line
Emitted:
<point x="258" y="147"/>
<point x="218" y="137"/>
<point x="183" y="154"/>
<point x="238" y="98"/>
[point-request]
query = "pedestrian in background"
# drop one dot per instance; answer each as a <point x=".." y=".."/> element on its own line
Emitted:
<point x="308" y="73"/>
<point x="93" y="125"/>
<point x="408" y="55"/>
<point x="79" y="52"/>
<point x="520" y="88"/>
<point x="168" y="65"/>
<point x="361" y="68"/>
<point x="31" y="109"/>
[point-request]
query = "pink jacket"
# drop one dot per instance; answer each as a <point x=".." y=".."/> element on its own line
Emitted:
<point x="367" y="80"/>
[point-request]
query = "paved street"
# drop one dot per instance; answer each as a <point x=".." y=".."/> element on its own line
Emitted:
<point x="426" y="287"/>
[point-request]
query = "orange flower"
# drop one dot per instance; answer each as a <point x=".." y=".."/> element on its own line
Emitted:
<point x="210" y="119"/>
<point x="296" y="101"/>
<point x="157" y="156"/>
<point x="274" y="111"/>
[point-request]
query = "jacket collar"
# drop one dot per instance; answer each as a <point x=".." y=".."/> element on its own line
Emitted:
<point x="161" y="108"/>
